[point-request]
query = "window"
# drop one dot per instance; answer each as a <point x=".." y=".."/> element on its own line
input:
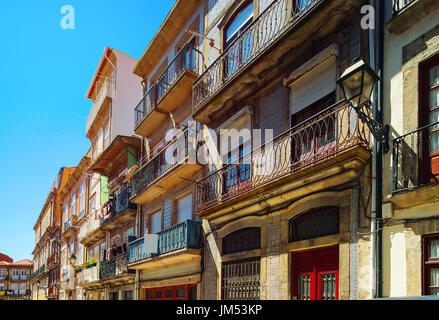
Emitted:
<point x="155" y="224"/>
<point x="128" y="295"/>
<point x="184" y="208"/>
<point x="92" y="207"/>
<point x="239" y="53"/>
<point x="82" y="200"/>
<point x="429" y="115"/>
<point x="431" y="265"/>
<point x="73" y="206"/>
<point x="238" y="24"/>
<point x="2" y="286"/>
<point x="316" y="223"/>
<point x="241" y="279"/>
<point x="242" y="240"/>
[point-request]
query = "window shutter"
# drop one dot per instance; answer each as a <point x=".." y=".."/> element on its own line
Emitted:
<point x="314" y="85"/>
<point x="167" y="213"/>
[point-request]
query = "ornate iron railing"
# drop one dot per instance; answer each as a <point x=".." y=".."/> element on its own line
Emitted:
<point x="399" y="5"/>
<point x="415" y="154"/>
<point x="241" y="280"/>
<point x="113" y="267"/>
<point x="171" y="155"/>
<point x="264" y="30"/>
<point x="185" y="60"/>
<point x="52" y="260"/>
<point x="40" y="271"/>
<point x="321" y="137"/>
<point x="183" y="235"/>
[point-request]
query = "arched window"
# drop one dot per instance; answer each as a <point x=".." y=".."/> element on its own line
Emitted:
<point x="316" y="223"/>
<point x="242" y="240"/>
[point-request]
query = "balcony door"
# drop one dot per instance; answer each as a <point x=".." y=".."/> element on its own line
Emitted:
<point x="313" y="92"/>
<point x="429" y="116"/>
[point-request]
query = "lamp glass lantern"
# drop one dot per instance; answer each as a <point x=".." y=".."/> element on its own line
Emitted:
<point x="357" y="83"/>
<point x="72" y="260"/>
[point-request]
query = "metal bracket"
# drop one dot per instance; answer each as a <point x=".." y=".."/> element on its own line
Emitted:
<point x="379" y="131"/>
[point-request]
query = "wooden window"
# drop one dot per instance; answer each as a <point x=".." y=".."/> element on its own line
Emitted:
<point x="184" y="208"/>
<point x="429" y="115"/>
<point x="431" y="265"/>
<point x="242" y="240"/>
<point x="241" y="279"/>
<point x="316" y="223"/>
<point x="155" y="223"/>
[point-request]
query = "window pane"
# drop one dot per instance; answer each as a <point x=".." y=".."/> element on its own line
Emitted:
<point x="328" y="286"/>
<point x="434" y="281"/>
<point x="184" y="207"/>
<point x="434" y="98"/>
<point x="239" y="21"/>
<point x="434" y="249"/>
<point x="434" y="76"/>
<point x="156" y="222"/>
<point x="305" y="287"/>
<point x="168" y="293"/>
<point x="179" y="293"/>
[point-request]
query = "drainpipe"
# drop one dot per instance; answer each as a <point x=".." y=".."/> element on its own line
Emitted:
<point x="379" y="154"/>
<point x="373" y="214"/>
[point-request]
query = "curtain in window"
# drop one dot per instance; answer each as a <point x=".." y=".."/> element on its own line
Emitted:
<point x="434" y="107"/>
<point x="434" y="273"/>
<point x="434" y="249"/>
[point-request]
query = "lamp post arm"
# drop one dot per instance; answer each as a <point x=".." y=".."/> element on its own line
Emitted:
<point x="380" y="132"/>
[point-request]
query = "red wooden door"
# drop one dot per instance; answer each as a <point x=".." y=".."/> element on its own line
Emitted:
<point x="315" y="274"/>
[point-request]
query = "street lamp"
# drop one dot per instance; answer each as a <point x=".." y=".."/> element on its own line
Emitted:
<point x="357" y="83"/>
<point x="72" y="260"/>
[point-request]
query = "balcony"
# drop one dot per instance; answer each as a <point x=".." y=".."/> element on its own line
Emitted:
<point x="415" y="169"/>
<point x="89" y="275"/>
<point x="173" y="87"/>
<point x="316" y="144"/>
<point x="107" y="91"/>
<point x="266" y="29"/>
<point x="40" y="271"/>
<point x="119" y="211"/>
<point x="173" y="163"/>
<point x="69" y="229"/>
<point x="52" y="292"/>
<point x="90" y="232"/>
<point x="176" y="244"/>
<point x="407" y="13"/>
<point x="52" y="261"/>
<point x="114" y="267"/>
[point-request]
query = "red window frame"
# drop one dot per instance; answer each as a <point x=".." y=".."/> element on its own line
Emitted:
<point x="427" y="262"/>
<point x="429" y="170"/>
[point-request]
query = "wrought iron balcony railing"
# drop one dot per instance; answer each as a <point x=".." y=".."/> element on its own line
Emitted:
<point x="118" y="204"/>
<point x="52" y="260"/>
<point x="317" y="139"/>
<point x="171" y="155"/>
<point x="113" y="267"/>
<point x="416" y="158"/>
<point x="259" y="35"/>
<point x="180" y="236"/>
<point x="399" y="5"/>
<point x="41" y="270"/>
<point x="185" y="60"/>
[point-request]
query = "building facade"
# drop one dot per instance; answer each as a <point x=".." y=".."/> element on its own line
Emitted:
<point x="15" y="278"/>
<point x="45" y="276"/>
<point x="245" y="173"/>
<point x="410" y="210"/>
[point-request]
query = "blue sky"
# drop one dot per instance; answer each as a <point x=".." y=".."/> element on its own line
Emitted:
<point x="44" y="74"/>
